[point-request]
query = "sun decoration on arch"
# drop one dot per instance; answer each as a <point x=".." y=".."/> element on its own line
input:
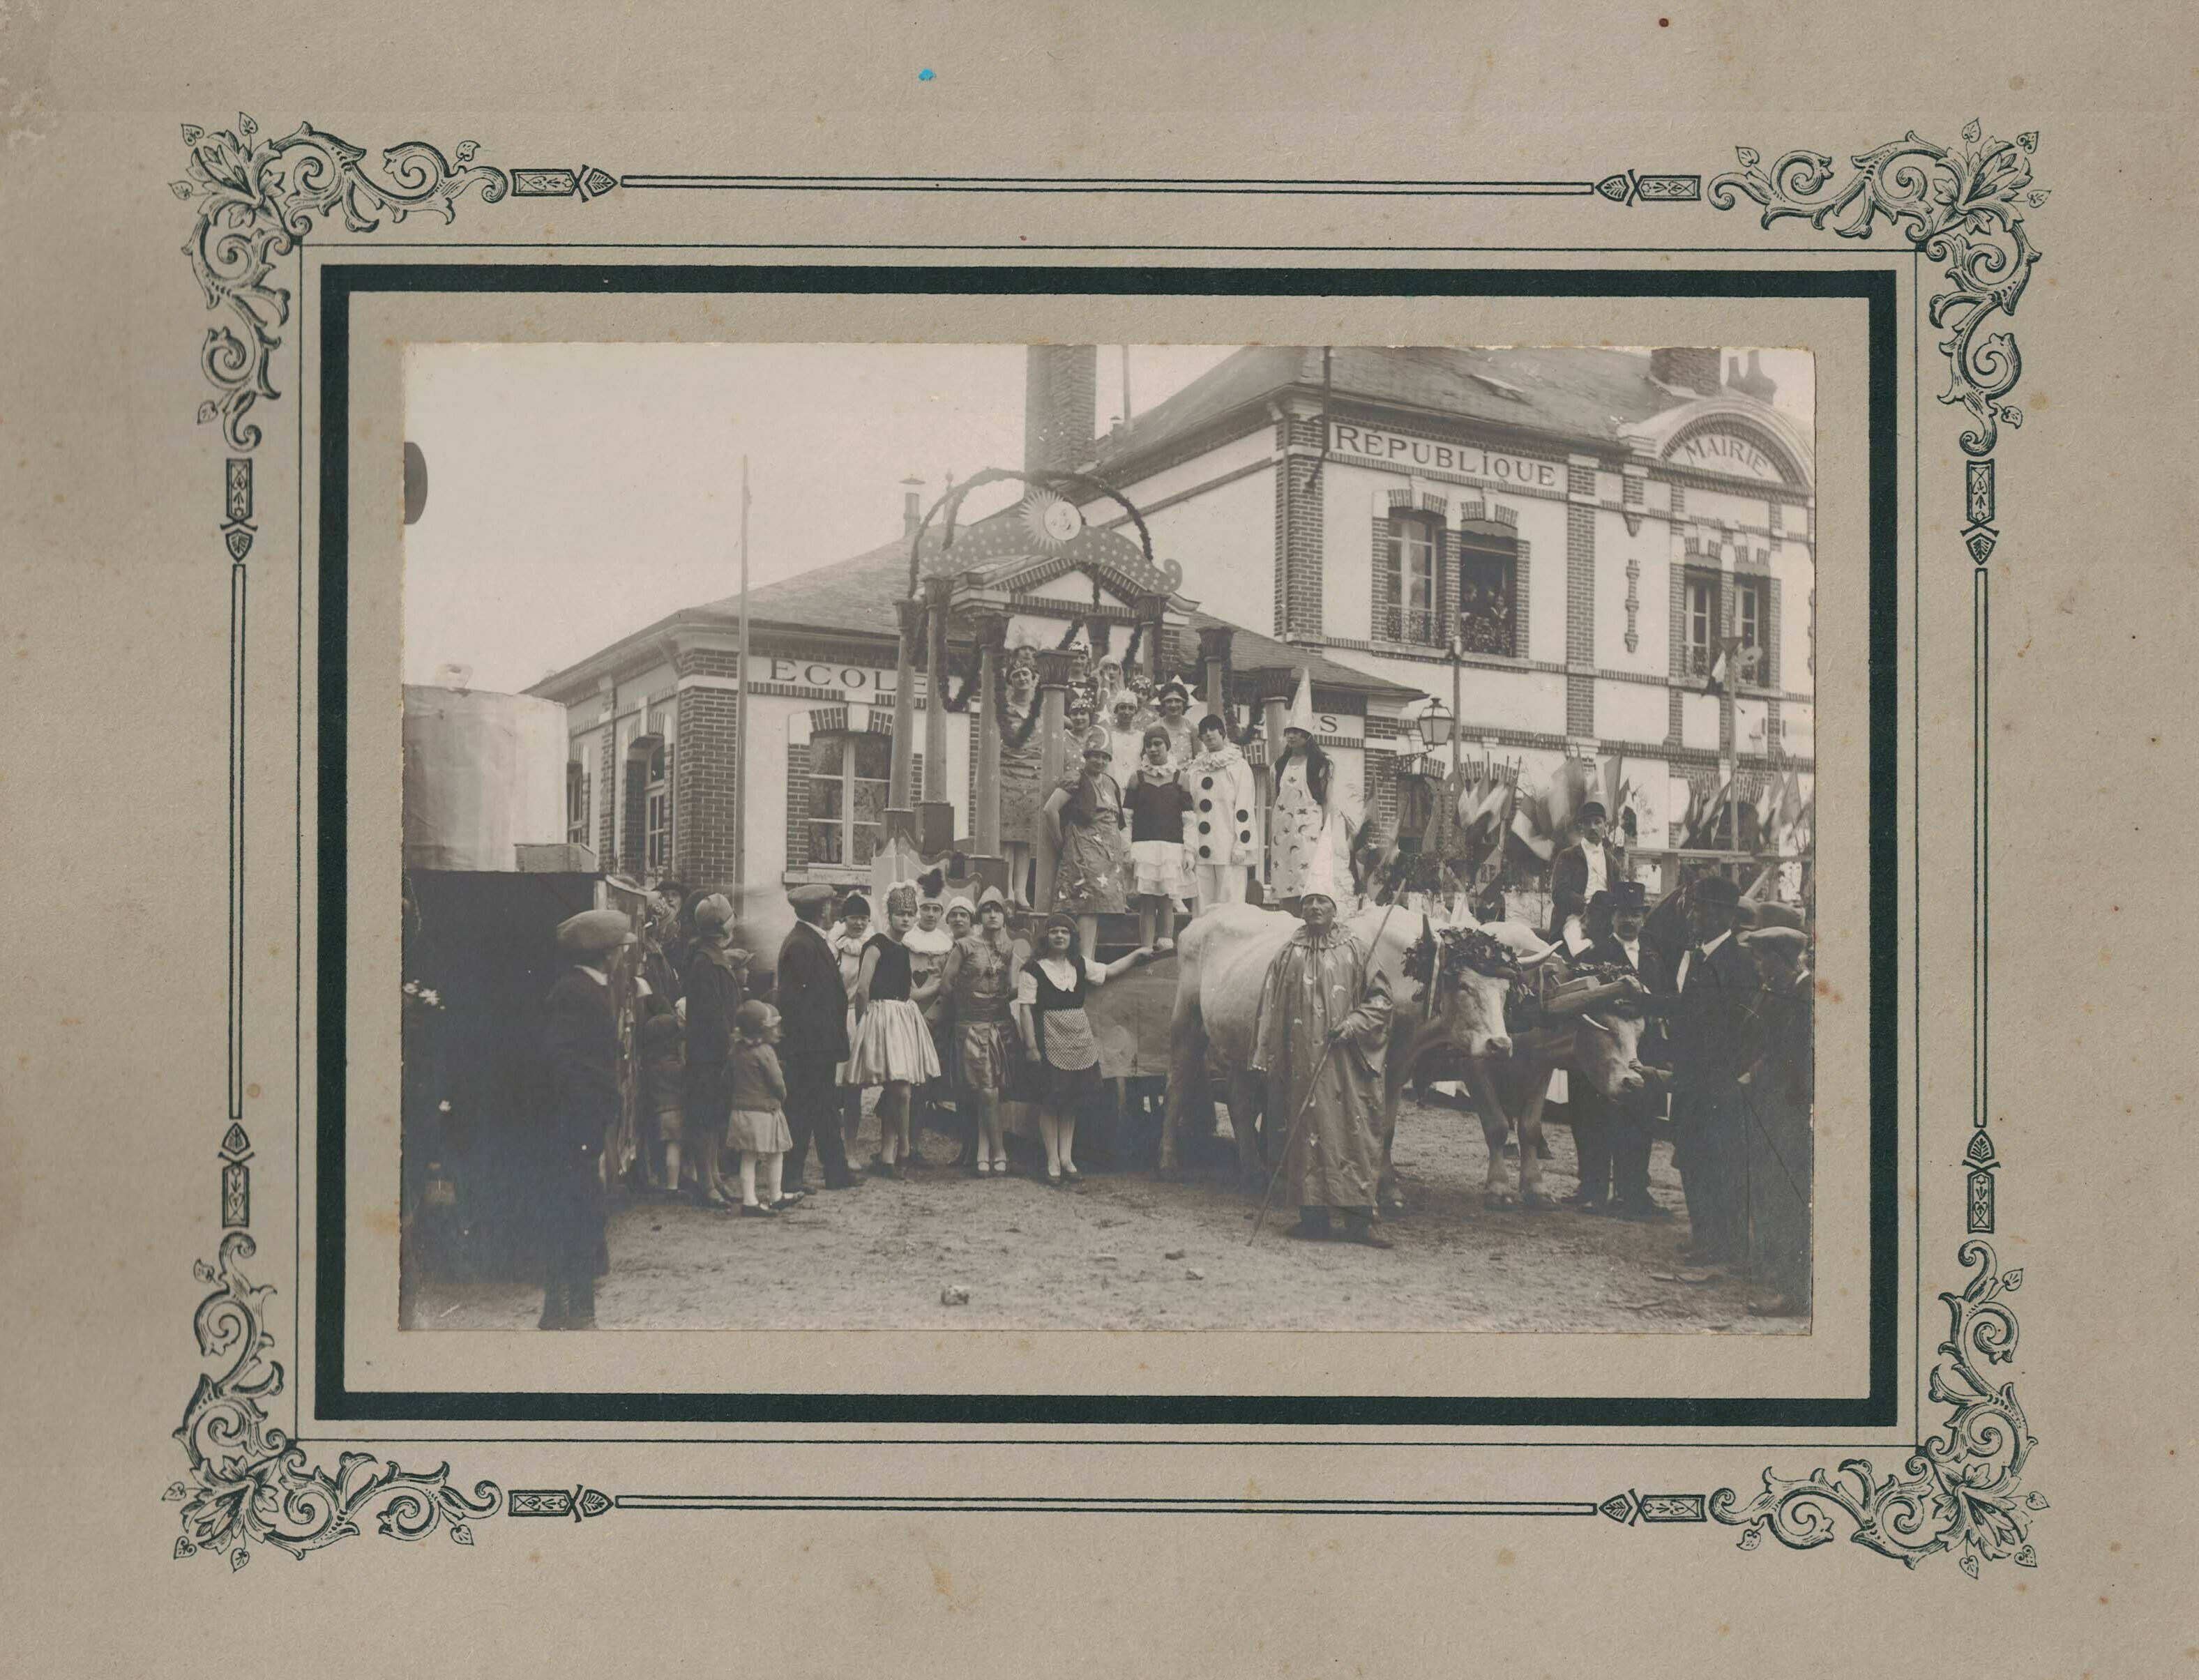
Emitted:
<point x="1050" y="520"/>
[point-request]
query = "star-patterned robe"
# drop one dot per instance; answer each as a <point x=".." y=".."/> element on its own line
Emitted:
<point x="1332" y="1157"/>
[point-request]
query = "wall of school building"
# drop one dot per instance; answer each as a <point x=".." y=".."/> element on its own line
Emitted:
<point x="1215" y="515"/>
<point x="694" y="713"/>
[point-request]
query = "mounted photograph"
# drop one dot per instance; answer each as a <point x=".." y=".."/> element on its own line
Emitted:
<point x="1044" y="836"/>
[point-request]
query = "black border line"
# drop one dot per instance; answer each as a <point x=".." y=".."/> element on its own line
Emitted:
<point x="334" y="1400"/>
<point x="1916" y="792"/>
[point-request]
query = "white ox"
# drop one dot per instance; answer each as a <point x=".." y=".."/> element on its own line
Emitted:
<point x="1224" y="957"/>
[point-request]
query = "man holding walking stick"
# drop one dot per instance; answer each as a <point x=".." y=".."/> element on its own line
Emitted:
<point x="1324" y="1018"/>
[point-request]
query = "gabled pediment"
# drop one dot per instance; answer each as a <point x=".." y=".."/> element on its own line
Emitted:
<point x="1730" y="436"/>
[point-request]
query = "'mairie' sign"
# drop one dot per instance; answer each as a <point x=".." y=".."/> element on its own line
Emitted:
<point x="1425" y="455"/>
<point x="1725" y="452"/>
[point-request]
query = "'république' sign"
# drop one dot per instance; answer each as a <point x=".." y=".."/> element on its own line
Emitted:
<point x="1427" y="455"/>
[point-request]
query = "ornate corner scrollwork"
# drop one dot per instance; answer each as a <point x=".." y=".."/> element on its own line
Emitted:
<point x="1959" y="206"/>
<point x="251" y="1484"/>
<point x="257" y="200"/>
<point x="1958" y="1491"/>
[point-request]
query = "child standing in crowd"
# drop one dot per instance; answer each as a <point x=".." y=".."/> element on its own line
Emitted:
<point x="847" y="941"/>
<point x="892" y="1042"/>
<point x="928" y="945"/>
<point x="756" y="1126"/>
<point x="663" y="1071"/>
<point x="1158" y="801"/>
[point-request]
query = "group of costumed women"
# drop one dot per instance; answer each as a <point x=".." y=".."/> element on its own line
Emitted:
<point x="1164" y="815"/>
<point x="948" y="993"/>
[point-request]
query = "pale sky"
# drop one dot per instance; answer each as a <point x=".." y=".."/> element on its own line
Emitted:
<point x="577" y="492"/>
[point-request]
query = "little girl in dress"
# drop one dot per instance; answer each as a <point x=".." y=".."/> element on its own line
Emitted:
<point x="757" y="1127"/>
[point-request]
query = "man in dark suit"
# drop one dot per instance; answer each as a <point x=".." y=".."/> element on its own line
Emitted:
<point x="1782" y="1089"/>
<point x="1612" y="1134"/>
<point x="813" y="1005"/>
<point x="580" y="1048"/>
<point x="1716" y="1037"/>
<point x="1590" y="865"/>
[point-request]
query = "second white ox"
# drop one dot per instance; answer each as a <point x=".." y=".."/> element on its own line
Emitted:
<point x="1223" y="961"/>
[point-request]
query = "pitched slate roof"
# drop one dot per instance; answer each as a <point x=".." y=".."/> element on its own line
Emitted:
<point x="1583" y="395"/>
<point x="856" y="596"/>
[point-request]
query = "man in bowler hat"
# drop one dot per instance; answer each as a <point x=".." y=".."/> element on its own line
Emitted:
<point x="1611" y="1134"/>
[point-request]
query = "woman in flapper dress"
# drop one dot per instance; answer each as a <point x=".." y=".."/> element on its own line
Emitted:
<point x="980" y="983"/>
<point x="892" y="1042"/>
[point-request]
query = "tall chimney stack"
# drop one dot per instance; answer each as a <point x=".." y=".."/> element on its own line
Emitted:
<point x="912" y="514"/>
<point x="1695" y="371"/>
<point x="1061" y="406"/>
<point x="1756" y="382"/>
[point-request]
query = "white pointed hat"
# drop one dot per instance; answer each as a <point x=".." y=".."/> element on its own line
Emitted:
<point x="1327" y="875"/>
<point x="1301" y="715"/>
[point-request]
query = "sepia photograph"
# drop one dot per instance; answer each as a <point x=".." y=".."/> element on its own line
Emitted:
<point x="1054" y="836"/>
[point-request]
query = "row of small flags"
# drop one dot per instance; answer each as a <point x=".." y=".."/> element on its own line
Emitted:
<point x="1485" y="803"/>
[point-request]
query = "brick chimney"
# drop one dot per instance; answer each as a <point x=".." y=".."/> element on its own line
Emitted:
<point x="912" y="512"/>
<point x="1695" y="371"/>
<point x="1061" y="406"/>
<point x="1756" y="382"/>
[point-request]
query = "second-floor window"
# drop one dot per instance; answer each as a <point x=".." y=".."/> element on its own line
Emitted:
<point x="1750" y="624"/>
<point x="1412" y="551"/>
<point x="1701" y="625"/>
<point x="1487" y="599"/>
<point x="849" y="775"/>
<point x="1706" y="630"/>
<point x="656" y="812"/>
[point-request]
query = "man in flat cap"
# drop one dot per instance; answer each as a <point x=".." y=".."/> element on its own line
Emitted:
<point x="1782" y="1089"/>
<point x="1716" y="1036"/>
<point x="580" y="1052"/>
<point x="813" y="1005"/>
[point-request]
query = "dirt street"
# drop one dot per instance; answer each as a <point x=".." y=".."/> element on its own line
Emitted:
<point x="1134" y="1251"/>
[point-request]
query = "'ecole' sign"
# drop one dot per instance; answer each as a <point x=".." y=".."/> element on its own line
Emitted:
<point x="857" y="682"/>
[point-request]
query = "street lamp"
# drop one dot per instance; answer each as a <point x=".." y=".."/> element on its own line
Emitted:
<point x="1438" y="725"/>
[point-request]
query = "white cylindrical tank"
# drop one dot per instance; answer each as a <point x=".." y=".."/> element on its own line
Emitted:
<point x="484" y="775"/>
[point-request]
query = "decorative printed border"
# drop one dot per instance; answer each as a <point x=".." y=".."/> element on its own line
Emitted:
<point x="258" y="200"/>
<point x="1958" y="206"/>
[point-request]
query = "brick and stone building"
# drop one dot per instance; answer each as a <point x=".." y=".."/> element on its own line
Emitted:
<point x="1585" y="532"/>
<point x="1591" y="528"/>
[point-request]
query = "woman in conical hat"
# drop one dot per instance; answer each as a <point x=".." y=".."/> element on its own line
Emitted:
<point x="1309" y="829"/>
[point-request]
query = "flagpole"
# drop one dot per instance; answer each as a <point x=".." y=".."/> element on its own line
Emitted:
<point x="741" y="706"/>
